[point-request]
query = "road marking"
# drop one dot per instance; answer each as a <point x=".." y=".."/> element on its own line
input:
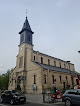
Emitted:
<point x="2" y="105"/>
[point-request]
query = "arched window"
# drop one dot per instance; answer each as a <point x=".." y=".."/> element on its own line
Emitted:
<point x="12" y="81"/>
<point x="66" y="79"/>
<point x="60" y="65"/>
<point x="41" y="60"/>
<point x="22" y="38"/>
<point x="69" y="66"/>
<point x="45" y="79"/>
<point x="55" y="63"/>
<point x="34" y="57"/>
<point x="20" y="61"/>
<point x="64" y="66"/>
<point x="60" y="80"/>
<point x="34" y="79"/>
<point x="48" y="62"/>
<point x="28" y="37"/>
<point x="53" y="79"/>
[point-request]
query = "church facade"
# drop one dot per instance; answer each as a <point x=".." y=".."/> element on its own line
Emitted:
<point x="35" y="71"/>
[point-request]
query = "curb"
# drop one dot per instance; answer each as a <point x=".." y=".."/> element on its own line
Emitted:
<point x="55" y="103"/>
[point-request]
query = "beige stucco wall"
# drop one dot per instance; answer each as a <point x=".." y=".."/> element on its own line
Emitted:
<point x="52" y="59"/>
<point x="32" y="69"/>
<point x="57" y="75"/>
<point x="30" y="80"/>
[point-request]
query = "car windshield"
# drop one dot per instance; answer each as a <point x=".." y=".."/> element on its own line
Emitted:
<point x="16" y="92"/>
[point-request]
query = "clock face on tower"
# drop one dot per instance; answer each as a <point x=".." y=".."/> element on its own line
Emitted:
<point x="21" y="48"/>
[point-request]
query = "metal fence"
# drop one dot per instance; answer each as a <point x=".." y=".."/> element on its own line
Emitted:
<point x="50" y="99"/>
<point x="47" y="98"/>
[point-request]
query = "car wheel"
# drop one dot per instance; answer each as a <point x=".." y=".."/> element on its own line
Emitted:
<point x="11" y="102"/>
<point x="2" y="100"/>
<point x="52" y="99"/>
<point x="67" y="102"/>
<point x="24" y="102"/>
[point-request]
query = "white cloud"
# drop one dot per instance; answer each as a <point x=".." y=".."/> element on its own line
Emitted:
<point x="2" y="69"/>
<point x="60" y="3"/>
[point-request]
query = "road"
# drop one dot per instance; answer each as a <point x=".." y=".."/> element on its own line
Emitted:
<point x="33" y="104"/>
<point x="28" y="103"/>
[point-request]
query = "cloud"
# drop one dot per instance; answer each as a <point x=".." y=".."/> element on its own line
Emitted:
<point x="60" y="3"/>
<point x="2" y="69"/>
<point x="0" y="65"/>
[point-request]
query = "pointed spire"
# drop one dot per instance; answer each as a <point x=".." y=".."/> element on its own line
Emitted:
<point x="26" y="26"/>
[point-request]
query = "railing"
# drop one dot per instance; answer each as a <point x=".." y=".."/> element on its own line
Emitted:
<point x="49" y="97"/>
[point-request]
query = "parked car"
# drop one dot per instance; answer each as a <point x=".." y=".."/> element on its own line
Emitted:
<point x="71" y="96"/>
<point x="13" y="97"/>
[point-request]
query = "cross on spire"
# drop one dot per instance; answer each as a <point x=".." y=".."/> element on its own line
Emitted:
<point x="26" y="13"/>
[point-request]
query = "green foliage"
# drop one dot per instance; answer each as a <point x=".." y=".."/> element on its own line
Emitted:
<point x="4" y="79"/>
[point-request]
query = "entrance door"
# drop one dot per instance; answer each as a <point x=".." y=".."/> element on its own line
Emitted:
<point x="18" y="83"/>
<point x="64" y="85"/>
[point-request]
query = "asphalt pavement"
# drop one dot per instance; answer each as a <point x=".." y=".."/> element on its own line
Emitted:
<point x="32" y="104"/>
<point x="36" y="100"/>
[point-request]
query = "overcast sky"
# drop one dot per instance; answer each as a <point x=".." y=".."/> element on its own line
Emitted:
<point x="56" y="27"/>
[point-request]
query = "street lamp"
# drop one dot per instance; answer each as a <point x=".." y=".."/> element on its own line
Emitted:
<point x="79" y="75"/>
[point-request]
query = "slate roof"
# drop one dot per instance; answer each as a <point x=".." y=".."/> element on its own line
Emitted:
<point x="57" y="69"/>
<point x="26" y="26"/>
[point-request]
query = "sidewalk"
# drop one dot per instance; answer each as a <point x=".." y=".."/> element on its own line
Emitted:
<point x="34" y="98"/>
<point x="39" y="99"/>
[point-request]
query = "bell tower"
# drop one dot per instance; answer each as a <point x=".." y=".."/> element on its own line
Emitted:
<point x="26" y="33"/>
<point x="25" y="54"/>
<point x="25" y="47"/>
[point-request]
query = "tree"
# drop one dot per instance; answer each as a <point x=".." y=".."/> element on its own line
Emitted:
<point x="4" y="79"/>
<point x="0" y="81"/>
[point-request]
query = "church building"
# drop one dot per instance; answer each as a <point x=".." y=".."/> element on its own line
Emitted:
<point x="35" y="71"/>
